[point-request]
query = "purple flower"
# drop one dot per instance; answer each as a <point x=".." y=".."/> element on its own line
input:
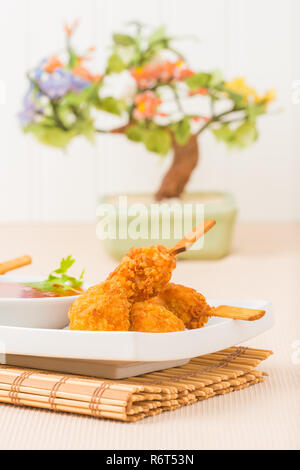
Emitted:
<point x="78" y="83"/>
<point x="38" y="72"/>
<point x="57" y="84"/>
<point x="26" y="116"/>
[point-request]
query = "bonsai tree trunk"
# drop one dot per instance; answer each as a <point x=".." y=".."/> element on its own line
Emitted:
<point x="185" y="159"/>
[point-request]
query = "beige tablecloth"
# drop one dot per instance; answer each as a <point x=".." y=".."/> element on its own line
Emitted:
<point x="264" y="264"/>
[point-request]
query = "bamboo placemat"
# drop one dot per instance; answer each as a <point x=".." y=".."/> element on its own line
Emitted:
<point x="138" y="397"/>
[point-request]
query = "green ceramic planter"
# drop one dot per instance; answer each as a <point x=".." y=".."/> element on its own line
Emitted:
<point x="217" y="205"/>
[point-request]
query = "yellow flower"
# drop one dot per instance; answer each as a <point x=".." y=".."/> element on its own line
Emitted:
<point x="269" y="96"/>
<point x="238" y="85"/>
<point x="139" y="70"/>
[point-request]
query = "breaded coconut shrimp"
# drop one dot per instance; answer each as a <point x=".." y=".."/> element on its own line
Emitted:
<point x="153" y="318"/>
<point x="186" y="303"/>
<point x="144" y="272"/>
<point x="102" y="307"/>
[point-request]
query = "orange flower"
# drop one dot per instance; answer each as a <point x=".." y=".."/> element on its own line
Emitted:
<point x="70" y="29"/>
<point x="87" y="56"/>
<point x="144" y="76"/>
<point x="52" y="63"/>
<point x="181" y="72"/>
<point x="184" y="73"/>
<point x="82" y="59"/>
<point x="201" y="118"/>
<point x="82" y="72"/>
<point x="96" y="78"/>
<point x="148" y="75"/>
<point x="146" y="105"/>
<point x="167" y="71"/>
<point x="199" y="91"/>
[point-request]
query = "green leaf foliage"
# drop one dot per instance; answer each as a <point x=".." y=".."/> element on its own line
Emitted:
<point x="157" y="140"/>
<point x="182" y="131"/>
<point x="205" y="80"/>
<point x="246" y="134"/>
<point x="72" y="58"/>
<point x="65" y="264"/>
<point x="123" y="40"/>
<point x="235" y="97"/>
<point x="254" y="110"/>
<point x="129" y="55"/>
<point x="216" y="78"/>
<point x="199" y="80"/>
<point x="135" y="133"/>
<point x="158" y="35"/>
<point x="111" y="105"/>
<point x="86" y="128"/>
<point x="115" y="64"/>
<point x="51" y="135"/>
<point x="240" y="137"/>
<point x="59" y="280"/>
<point x="86" y="96"/>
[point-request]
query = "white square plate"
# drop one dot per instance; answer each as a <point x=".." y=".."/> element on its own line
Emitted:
<point x="119" y="354"/>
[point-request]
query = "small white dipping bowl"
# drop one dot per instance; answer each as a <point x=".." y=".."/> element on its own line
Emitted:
<point x="44" y="312"/>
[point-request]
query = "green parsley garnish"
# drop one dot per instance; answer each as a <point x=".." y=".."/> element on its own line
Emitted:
<point x="59" y="281"/>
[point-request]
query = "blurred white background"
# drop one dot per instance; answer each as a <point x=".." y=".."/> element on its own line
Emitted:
<point x="258" y="39"/>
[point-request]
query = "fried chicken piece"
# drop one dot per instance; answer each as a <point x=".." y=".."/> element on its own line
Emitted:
<point x="144" y="272"/>
<point x="186" y="303"/>
<point x="102" y="307"/>
<point x="153" y="318"/>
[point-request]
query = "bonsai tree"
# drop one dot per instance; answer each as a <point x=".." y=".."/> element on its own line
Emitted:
<point x="159" y="106"/>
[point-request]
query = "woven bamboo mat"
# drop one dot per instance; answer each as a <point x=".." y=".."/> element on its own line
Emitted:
<point x="138" y="397"/>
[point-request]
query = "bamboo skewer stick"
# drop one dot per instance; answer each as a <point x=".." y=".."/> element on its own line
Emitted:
<point x="12" y="264"/>
<point x="237" y="313"/>
<point x="224" y="311"/>
<point x="192" y="237"/>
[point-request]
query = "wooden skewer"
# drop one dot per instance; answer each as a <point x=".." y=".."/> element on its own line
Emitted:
<point x="192" y="237"/>
<point x="15" y="263"/>
<point x="237" y="313"/>
<point x="224" y="311"/>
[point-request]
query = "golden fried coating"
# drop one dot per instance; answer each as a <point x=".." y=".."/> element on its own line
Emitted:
<point x="143" y="272"/>
<point x="190" y="306"/>
<point x="153" y="318"/>
<point x="102" y="307"/>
